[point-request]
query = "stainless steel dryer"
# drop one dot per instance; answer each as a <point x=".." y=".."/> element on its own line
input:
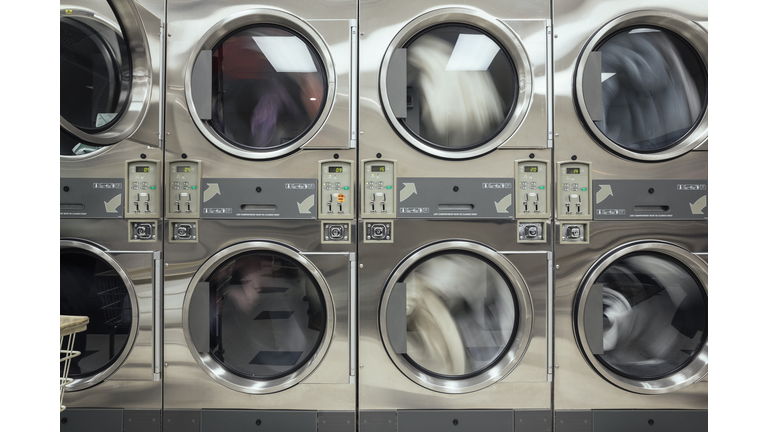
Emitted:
<point x="258" y="326"/>
<point x="259" y="92"/>
<point x="631" y="327"/>
<point x="631" y="86"/>
<point x="454" y="91"/>
<point x="116" y="281"/>
<point x="110" y="66"/>
<point x="453" y="327"/>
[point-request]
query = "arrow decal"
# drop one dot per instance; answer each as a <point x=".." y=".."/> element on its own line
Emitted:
<point x="112" y="205"/>
<point x="604" y="192"/>
<point x="698" y="206"/>
<point x="212" y="191"/>
<point x="307" y="204"/>
<point x="408" y="190"/>
<point x="503" y="204"/>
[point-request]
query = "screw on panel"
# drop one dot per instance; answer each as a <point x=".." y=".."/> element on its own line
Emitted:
<point x="650" y="191"/>
<point x="143" y="156"/>
<point x="455" y="188"/>
<point x="66" y="188"/>
<point x="183" y="155"/>
<point x="336" y="156"/>
<point x="573" y="157"/>
<point x="378" y="155"/>
<point x="531" y="155"/>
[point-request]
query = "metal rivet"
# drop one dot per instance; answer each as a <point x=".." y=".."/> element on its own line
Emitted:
<point x="336" y="156"/>
<point x="557" y="266"/>
<point x="258" y="422"/>
<point x="650" y="422"/>
<point x="455" y="422"/>
<point x="455" y="188"/>
<point x="531" y="155"/>
<point x="183" y="155"/>
<point x="650" y="190"/>
<point x="378" y="155"/>
<point x="361" y="266"/>
<point x="258" y="189"/>
<point x="143" y="156"/>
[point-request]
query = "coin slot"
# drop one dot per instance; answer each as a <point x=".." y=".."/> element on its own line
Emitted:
<point x="258" y="207"/>
<point x="650" y="209"/>
<point x="456" y="207"/>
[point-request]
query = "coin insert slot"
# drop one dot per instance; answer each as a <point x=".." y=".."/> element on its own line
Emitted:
<point x="456" y="207"/>
<point x="650" y="209"/>
<point x="258" y="207"/>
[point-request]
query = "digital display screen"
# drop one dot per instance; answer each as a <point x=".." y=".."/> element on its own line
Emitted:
<point x="531" y="169"/>
<point x="572" y="171"/>
<point x="335" y="169"/>
<point x="378" y="168"/>
<point x="142" y="169"/>
<point x="183" y="169"/>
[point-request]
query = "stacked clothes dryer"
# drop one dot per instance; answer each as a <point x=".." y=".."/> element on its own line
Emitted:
<point x="631" y="339"/>
<point x="110" y="198"/>
<point x="455" y="216"/>
<point x="260" y="199"/>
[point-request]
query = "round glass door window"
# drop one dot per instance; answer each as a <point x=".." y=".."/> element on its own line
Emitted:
<point x="267" y="315"/>
<point x="653" y="85"/>
<point x="91" y="287"/>
<point x="654" y="316"/>
<point x="460" y="315"/>
<point x="460" y="87"/>
<point x="269" y="87"/>
<point x="95" y="78"/>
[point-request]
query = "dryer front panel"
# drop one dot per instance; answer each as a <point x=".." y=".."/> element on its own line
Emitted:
<point x="114" y="281"/>
<point x="641" y="317"/>
<point x="105" y="75"/>
<point x="641" y="85"/>
<point x="260" y="316"/>
<point x="94" y="285"/>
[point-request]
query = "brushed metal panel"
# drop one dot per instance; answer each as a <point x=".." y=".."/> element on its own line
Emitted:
<point x="533" y="421"/>
<point x="336" y="421"/>
<point x="189" y="386"/>
<point x="142" y="421"/>
<point x="132" y="385"/>
<point x="656" y="420"/>
<point x="577" y="386"/>
<point x="383" y="386"/>
<point x="91" y="420"/>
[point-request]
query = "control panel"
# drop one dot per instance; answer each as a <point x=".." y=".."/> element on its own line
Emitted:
<point x="183" y="189"/>
<point x="379" y="193"/>
<point x="574" y="199"/>
<point x="142" y="190"/>
<point x="336" y="181"/>
<point x="532" y="197"/>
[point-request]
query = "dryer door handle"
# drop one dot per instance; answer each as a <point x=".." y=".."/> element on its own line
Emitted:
<point x="397" y="83"/>
<point x="592" y="86"/>
<point x="202" y="84"/>
<point x="397" y="321"/>
<point x="199" y="317"/>
<point x="593" y="319"/>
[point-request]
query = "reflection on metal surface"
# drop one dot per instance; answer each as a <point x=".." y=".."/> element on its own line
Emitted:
<point x="460" y="312"/>
<point x="461" y="87"/>
<point x="653" y="86"/>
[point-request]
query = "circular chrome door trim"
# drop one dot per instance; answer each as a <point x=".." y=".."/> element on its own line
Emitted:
<point x="692" y="33"/>
<point x="507" y="361"/>
<point x="509" y="42"/>
<point x="253" y="17"/>
<point x="213" y="368"/>
<point x="136" y="106"/>
<point x="691" y="373"/>
<point x="102" y="253"/>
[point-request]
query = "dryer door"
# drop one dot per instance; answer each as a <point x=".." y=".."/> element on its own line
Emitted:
<point x="103" y="71"/>
<point x="455" y="83"/>
<point x="93" y="284"/>
<point x="456" y="317"/>
<point x="641" y="85"/>
<point x="260" y="84"/>
<point x="258" y="317"/>
<point x="641" y="317"/>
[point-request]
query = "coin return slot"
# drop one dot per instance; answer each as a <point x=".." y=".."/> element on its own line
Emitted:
<point x="650" y="209"/>
<point x="258" y="207"/>
<point x="456" y="207"/>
